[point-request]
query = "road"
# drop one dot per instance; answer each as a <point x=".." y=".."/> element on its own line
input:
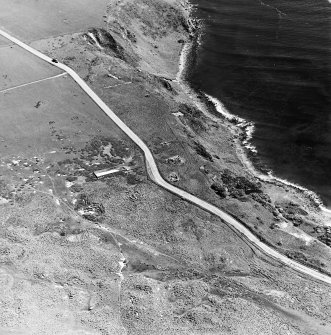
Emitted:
<point x="154" y="173"/>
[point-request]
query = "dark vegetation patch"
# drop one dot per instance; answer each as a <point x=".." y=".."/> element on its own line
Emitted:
<point x="302" y="258"/>
<point x="91" y="211"/>
<point x="165" y="83"/>
<point x="324" y="235"/>
<point x="133" y="179"/>
<point x="76" y="188"/>
<point x="144" y="288"/>
<point x="62" y="227"/>
<point x="108" y="152"/>
<point x="233" y="182"/>
<point x="292" y="212"/>
<point x="202" y="151"/>
<point x="263" y="199"/>
<point x="239" y="187"/>
<point x="195" y="118"/>
<point x="140" y="266"/>
<point x="292" y="209"/>
<point x="131" y="36"/>
<point x="220" y="189"/>
<point x="68" y="59"/>
<point x="106" y="41"/>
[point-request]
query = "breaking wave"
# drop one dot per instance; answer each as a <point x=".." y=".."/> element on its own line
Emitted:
<point x="248" y="129"/>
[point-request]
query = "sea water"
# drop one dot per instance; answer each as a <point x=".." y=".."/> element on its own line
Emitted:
<point x="268" y="62"/>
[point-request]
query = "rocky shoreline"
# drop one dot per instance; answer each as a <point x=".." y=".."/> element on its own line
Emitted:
<point x="245" y="128"/>
<point x="243" y="132"/>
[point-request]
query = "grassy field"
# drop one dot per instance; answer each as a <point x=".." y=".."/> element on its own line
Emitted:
<point x="29" y="114"/>
<point x="18" y="67"/>
<point x="4" y="41"/>
<point x="31" y="20"/>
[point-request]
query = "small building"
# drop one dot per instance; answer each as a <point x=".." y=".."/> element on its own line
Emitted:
<point x="105" y="172"/>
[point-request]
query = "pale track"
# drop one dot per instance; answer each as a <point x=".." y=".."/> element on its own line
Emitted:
<point x="32" y="82"/>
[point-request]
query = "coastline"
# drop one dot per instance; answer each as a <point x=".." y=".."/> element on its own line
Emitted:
<point x="248" y="129"/>
<point x="214" y="106"/>
<point x="133" y="251"/>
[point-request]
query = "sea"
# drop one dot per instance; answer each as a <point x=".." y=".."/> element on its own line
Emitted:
<point x="269" y="62"/>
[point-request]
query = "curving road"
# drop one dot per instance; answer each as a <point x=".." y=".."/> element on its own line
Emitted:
<point x="154" y="174"/>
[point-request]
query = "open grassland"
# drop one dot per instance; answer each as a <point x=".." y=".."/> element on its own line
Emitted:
<point x="31" y="20"/>
<point x="48" y="115"/>
<point x="4" y="41"/>
<point x="18" y="67"/>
